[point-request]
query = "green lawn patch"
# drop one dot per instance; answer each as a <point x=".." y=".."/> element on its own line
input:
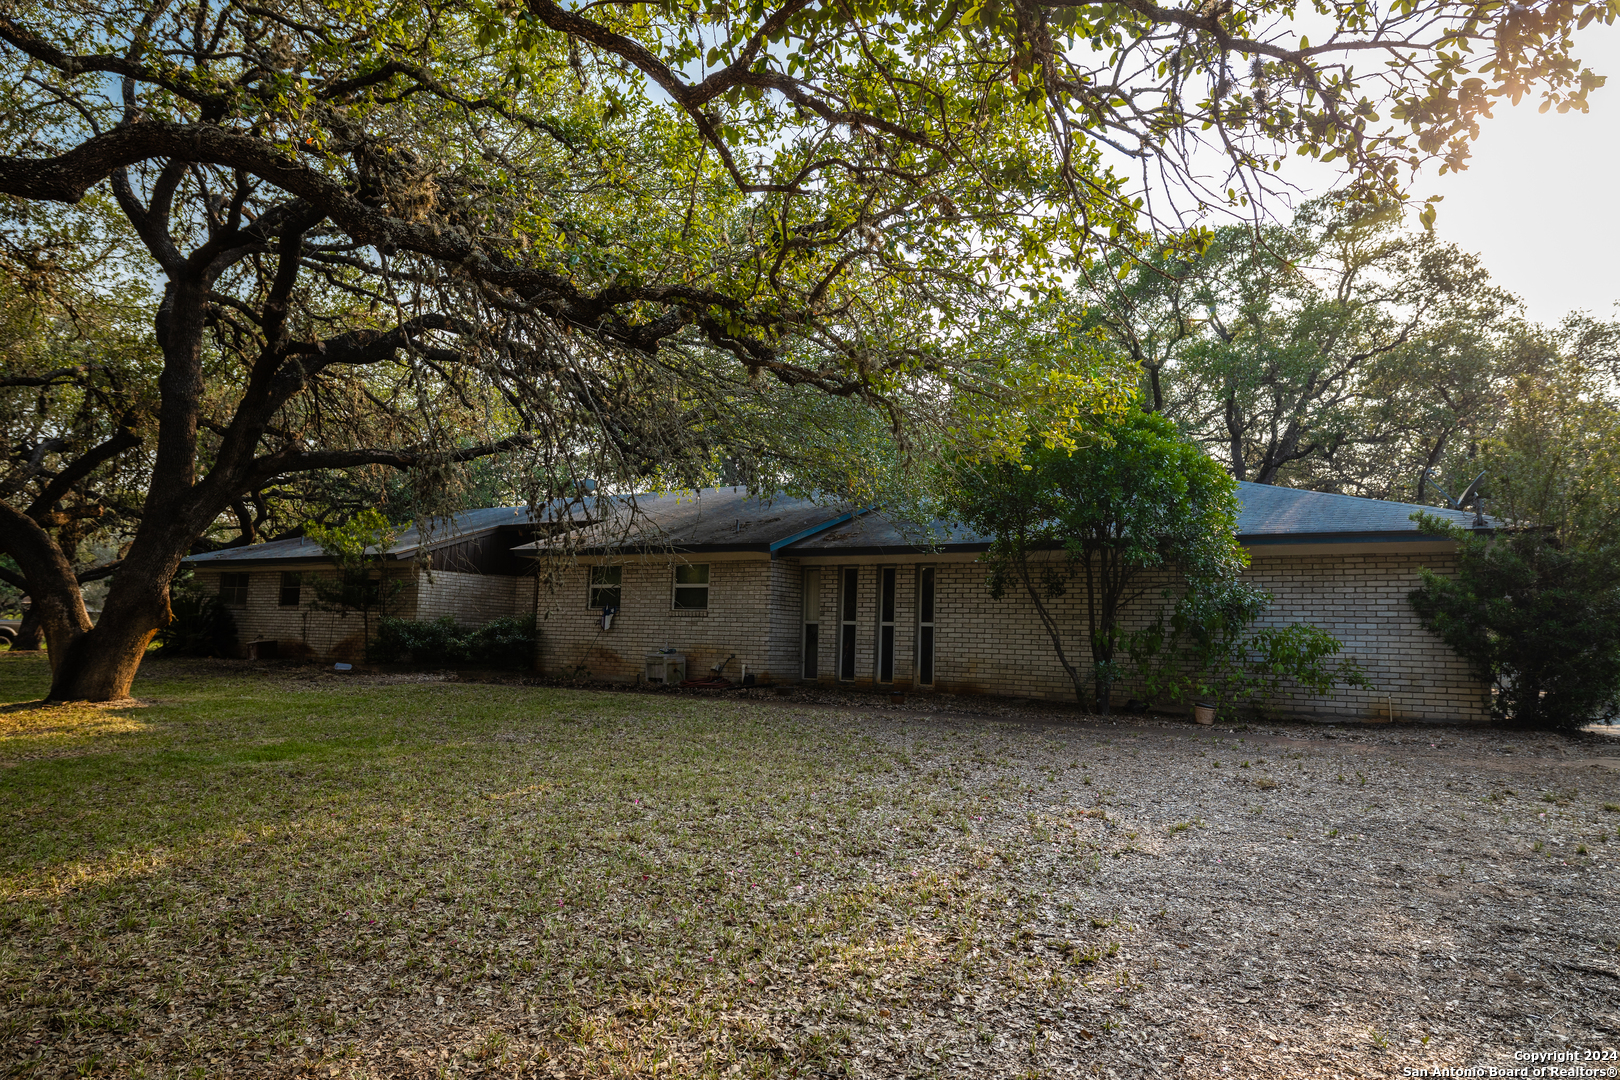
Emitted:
<point x="259" y="872"/>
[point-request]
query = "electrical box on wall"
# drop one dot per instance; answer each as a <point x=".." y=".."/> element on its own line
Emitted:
<point x="666" y="668"/>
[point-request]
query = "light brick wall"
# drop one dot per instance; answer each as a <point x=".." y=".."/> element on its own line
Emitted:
<point x="472" y="599"/>
<point x="307" y="631"/>
<point x="1361" y="600"/>
<point x="787" y="627"/>
<point x="1000" y="647"/>
<point x="982" y="645"/>
<point x="738" y="620"/>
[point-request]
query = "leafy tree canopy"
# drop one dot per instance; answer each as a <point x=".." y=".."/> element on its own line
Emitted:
<point x="1537" y="622"/>
<point x="1138" y="497"/>
<point x="410" y="236"/>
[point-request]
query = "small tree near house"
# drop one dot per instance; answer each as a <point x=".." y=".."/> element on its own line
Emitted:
<point x="1535" y="616"/>
<point x="357" y="548"/>
<point x="1137" y="499"/>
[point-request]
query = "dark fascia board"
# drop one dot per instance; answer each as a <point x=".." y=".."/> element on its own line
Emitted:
<point x="893" y="549"/>
<point x="531" y="550"/>
<point x="280" y="560"/>
<point x="1259" y="540"/>
<point x="1282" y="539"/>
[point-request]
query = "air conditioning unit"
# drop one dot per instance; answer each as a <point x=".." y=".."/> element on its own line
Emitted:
<point x="666" y="668"/>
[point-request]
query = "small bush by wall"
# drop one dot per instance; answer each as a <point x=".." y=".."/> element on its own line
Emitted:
<point x="501" y="643"/>
<point x="200" y="626"/>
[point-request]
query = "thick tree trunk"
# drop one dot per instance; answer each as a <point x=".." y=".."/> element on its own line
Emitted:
<point x="53" y="588"/>
<point x="100" y="663"/>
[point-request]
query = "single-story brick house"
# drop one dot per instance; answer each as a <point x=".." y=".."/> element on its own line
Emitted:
<point x="793" y="590"/>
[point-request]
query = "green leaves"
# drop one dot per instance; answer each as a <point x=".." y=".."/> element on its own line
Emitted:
<point x="1135" y="497"/>
<point x="1540" y="623"/>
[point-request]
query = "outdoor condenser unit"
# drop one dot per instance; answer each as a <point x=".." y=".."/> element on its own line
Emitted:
<point x="666" y="668"/>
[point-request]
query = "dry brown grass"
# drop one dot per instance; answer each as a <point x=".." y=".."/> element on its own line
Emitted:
<point x="281" y="872"/>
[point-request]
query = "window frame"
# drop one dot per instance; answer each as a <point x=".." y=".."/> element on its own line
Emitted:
<point x="849" y="609"/>
<point x="810" y="623"/>
<point x="239" y="584"/>
<point x="677" y="586"/>
<point x="887" y="629"/>
<point x="927" y="601"/>
<point x="594" y="588"/>
<point x="291" y="581"/>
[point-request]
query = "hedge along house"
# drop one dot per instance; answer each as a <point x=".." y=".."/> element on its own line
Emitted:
<point x="791" y="590"/>
<point x="463" y="567"/>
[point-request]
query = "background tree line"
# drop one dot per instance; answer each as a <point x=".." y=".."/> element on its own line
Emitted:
<point x="1350" y="350"/>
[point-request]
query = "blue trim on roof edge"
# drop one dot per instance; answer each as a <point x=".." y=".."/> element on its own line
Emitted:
<point x="806" y="534"/>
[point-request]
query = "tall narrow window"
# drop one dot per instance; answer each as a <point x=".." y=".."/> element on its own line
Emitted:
<point x="292" y="589"/>
<point x="885" y="656"/>
<point x="925" y="626"/>
<point x="846" y="623"/>
<point x="812" y="621"/>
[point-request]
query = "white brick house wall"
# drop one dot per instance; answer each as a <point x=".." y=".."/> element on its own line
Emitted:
<point x="982" y="645"/>
<point x="738" y="620"/>
<point x="309" y="632"/>
<point x="472" y="599"/>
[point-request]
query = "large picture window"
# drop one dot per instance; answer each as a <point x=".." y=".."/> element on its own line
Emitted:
<point x="692" y="587"/>
<point x="233" y="590"/>
<point x="606" y="583"/>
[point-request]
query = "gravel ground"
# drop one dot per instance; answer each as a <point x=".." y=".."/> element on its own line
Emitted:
<point x="1306" y="900"/>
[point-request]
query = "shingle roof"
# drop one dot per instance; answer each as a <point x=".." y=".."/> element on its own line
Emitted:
<point x="710" y="519"/>
<point x="1266" y="515"/>
<point x="729" y="519"/>
<point x="1277" y="513"/>
<point x="876" y="534"/>
<point x="449" y="530"/>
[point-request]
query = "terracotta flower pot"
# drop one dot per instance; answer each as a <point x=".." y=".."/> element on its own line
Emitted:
<point x="1203" y="712"/>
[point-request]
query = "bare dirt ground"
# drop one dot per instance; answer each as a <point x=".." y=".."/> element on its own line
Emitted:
<point x="1347" y="901"/>
<point x="384" y="876"/>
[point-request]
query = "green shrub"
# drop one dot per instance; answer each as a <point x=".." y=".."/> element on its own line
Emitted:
<point x="1539" y="622"/>
<point x="200" y="626"/>
<point x="1211" y="650"/>
<point x="502" y="643"/>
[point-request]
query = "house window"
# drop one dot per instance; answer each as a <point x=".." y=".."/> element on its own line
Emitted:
<point x="925" y="626"/>
<point x="605" y="586"/>
<point x="233" y="590"/>
<point x="885" y="642"/>
<point x="292" y="589"/>
<point x="812" y="622"/>
<point x="847" y="594"/>
<point x="692" y="587"/>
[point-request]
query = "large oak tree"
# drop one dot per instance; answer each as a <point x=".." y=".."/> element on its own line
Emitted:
<point x="412" y="235"/>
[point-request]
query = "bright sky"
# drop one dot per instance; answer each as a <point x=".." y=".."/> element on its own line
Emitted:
<point x="1540" y="199"/>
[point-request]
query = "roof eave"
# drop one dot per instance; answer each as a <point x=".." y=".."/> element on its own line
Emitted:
<point x="1403" y="536"/>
